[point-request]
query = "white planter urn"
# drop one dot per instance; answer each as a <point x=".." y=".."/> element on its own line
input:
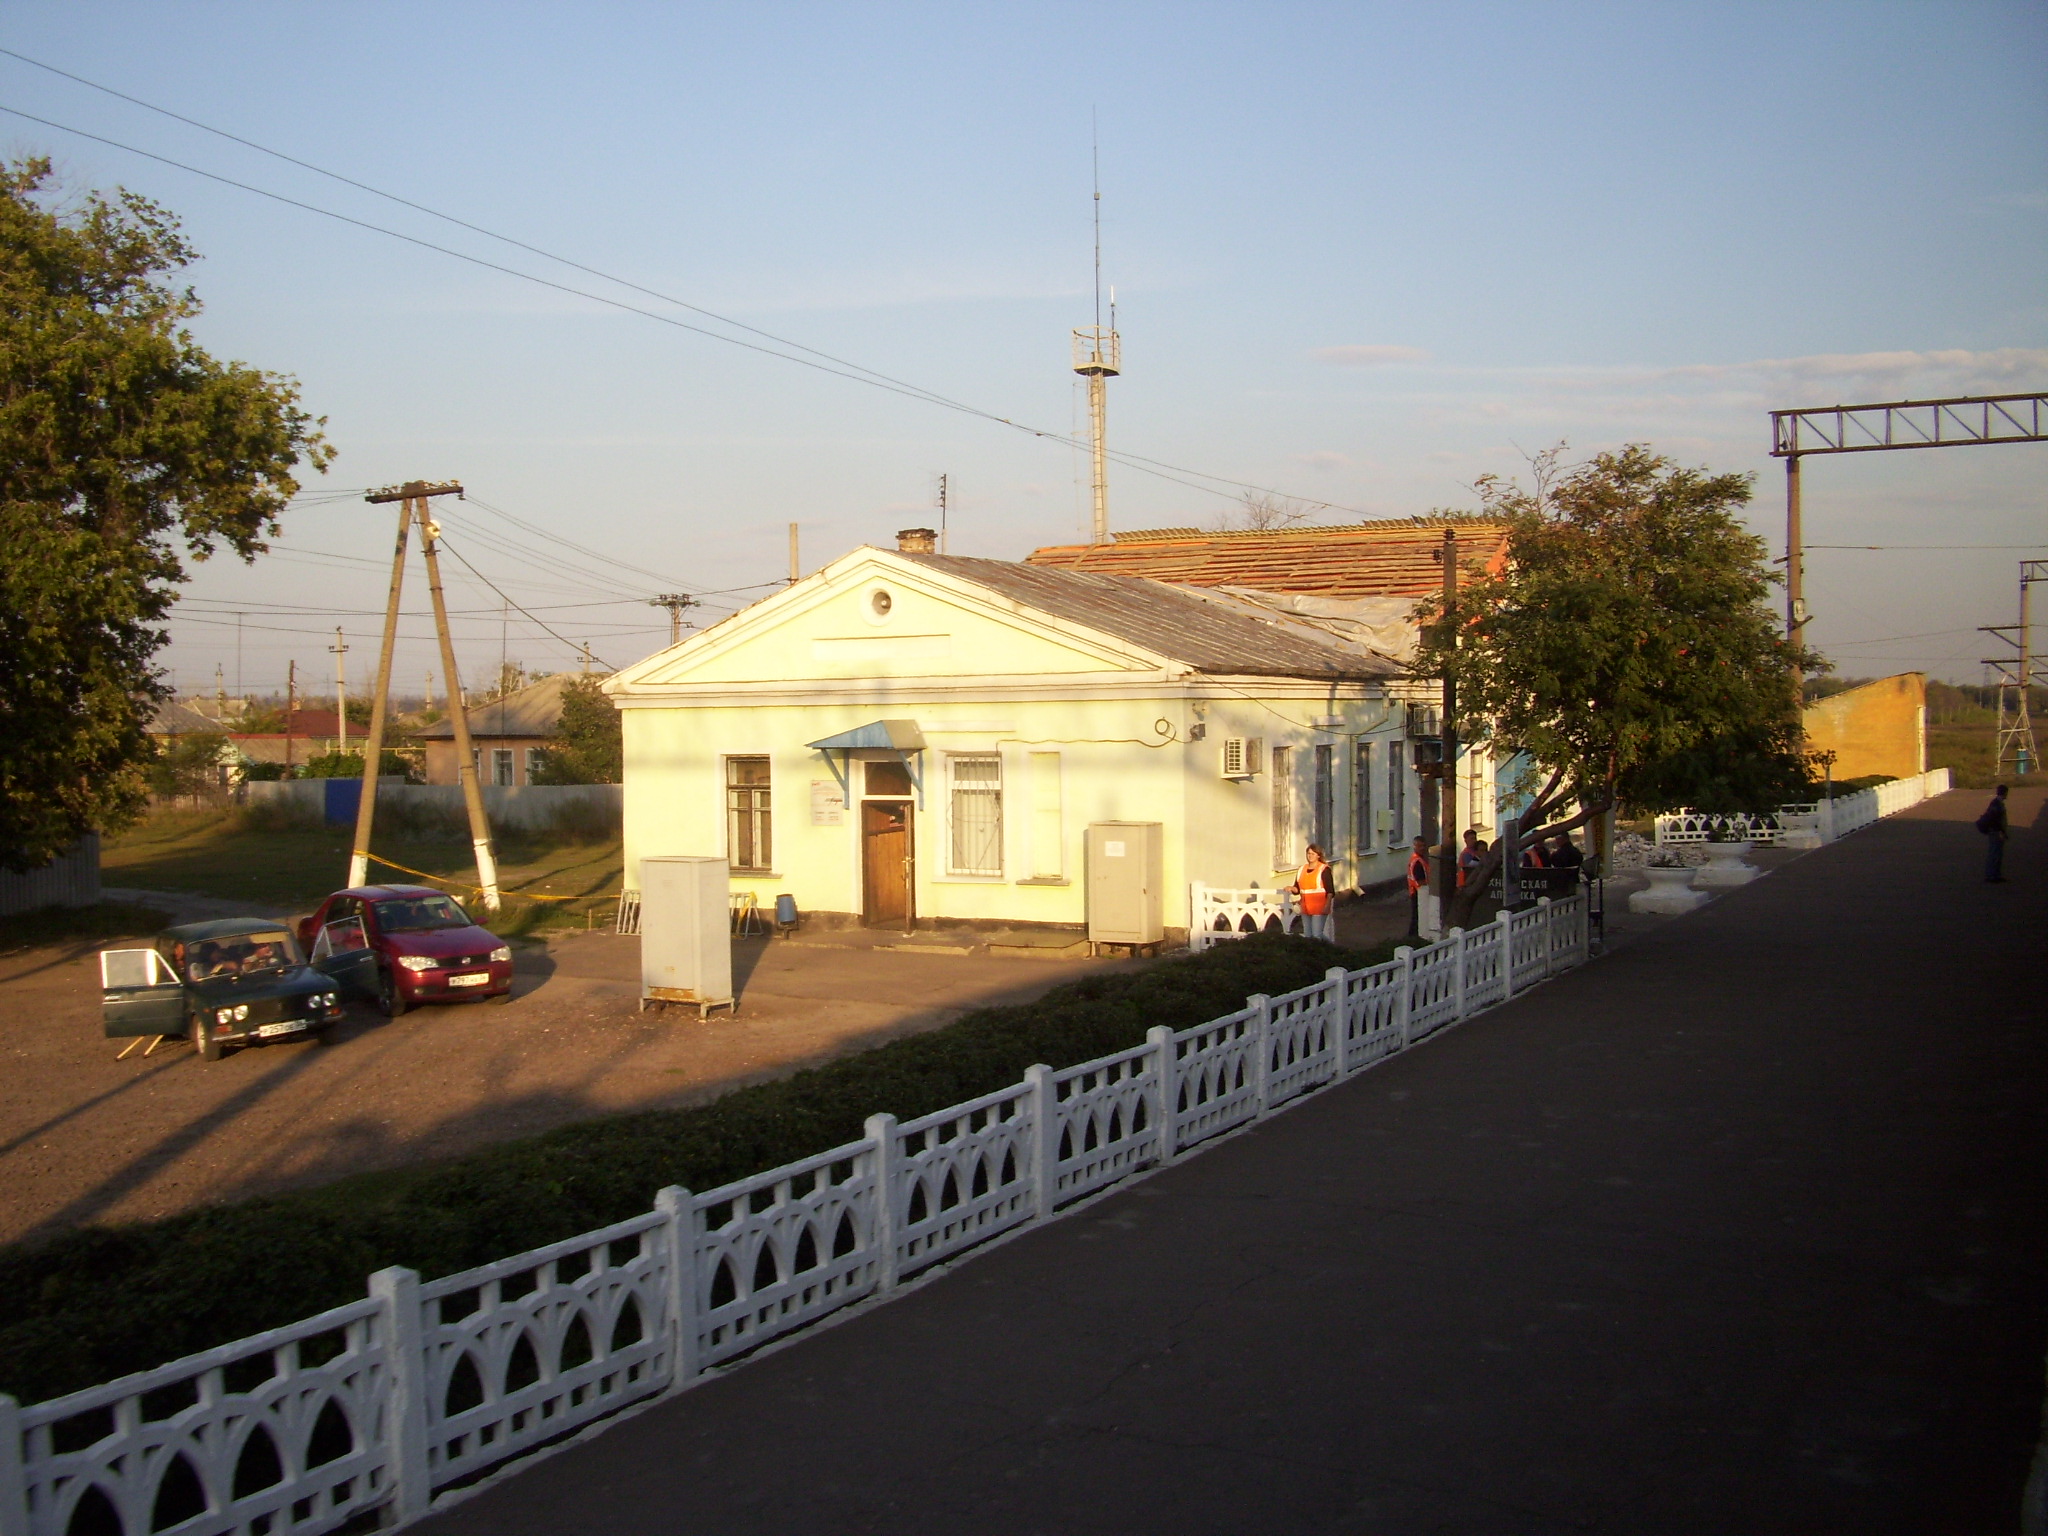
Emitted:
<point x="1726" y="867"/>
<point x="1670" y="893"/>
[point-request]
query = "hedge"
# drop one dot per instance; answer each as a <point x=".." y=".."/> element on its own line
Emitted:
<point x="98" y="1303"/>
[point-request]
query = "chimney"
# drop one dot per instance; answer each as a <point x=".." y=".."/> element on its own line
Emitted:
<point x="917" y="541"/>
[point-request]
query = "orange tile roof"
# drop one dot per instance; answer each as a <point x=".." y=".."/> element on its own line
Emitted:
<point x="1385" y="559"/>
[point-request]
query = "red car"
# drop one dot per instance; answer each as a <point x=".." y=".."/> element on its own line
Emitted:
<point x="405" y="945"/>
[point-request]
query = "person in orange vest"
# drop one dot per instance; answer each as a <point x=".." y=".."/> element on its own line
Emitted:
<point x="1418" y="882"/>
<point x="1316" y="886"/>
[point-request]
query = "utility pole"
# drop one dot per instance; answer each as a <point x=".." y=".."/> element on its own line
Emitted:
<point x="340" y="690"/>
<point x="942" y="514"/>
<point x="291" y="709"/>
<point x="795" y="570"/>
<point x="1447" y="862"/>
<point x="586" y="658"/>
<point x="1098" y="357"/>
<point x="415" y="494"/>
<point x="676" y="602"/>
<point x="373" y="750"/>
<point x="2015" y="738"/>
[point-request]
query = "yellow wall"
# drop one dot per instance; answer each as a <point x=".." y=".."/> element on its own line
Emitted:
<point x="1880" y="727"/>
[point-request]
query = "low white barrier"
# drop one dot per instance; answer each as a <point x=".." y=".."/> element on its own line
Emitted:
<point x="1830" y="818"/>
<point x="1221" y="912"/>
<point x="374" y="1409"/>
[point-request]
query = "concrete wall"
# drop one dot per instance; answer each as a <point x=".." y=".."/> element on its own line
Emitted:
<point x="1880" y="727"/>
<point x="531" y="807"/>
<point x="72" y="879"/>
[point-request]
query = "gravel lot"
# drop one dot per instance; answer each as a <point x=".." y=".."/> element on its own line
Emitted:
<point x="87" y="1139"/>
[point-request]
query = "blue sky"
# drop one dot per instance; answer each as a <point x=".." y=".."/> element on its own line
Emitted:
<point x="1362" y="253"/>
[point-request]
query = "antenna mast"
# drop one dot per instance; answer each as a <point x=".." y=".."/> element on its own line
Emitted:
<point x="1098" y="357"/>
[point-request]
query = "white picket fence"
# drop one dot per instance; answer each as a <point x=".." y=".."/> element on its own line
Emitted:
<point x="1830" y="818"/>
<point x="1222" y="912"/>
<point x="373" y="1410"/>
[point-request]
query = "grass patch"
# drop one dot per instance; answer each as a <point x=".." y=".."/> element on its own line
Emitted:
<point x="270" y="855"/>
<point x="96" y="1304"/>
<point x="55" y="925"/>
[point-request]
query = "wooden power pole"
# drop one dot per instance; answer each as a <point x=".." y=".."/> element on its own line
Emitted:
<point x="414" y="495"/>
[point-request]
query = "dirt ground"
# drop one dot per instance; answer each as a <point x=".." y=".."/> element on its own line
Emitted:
<point x="88" y="1139"/>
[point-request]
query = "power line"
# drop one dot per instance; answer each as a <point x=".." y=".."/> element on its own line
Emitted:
<point x="480" y="576"/>
<point x="1920" y="546"/>
<point x="838" y="367"/>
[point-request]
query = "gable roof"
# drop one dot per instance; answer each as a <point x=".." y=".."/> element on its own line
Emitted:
<point x="530" y="711"/>
<point x="1380" y="559"/>
<point x="175" y="719"/>
<point x="1186" y="627"/>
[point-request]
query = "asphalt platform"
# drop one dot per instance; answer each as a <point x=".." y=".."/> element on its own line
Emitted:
<point x="1741" y="1229"/>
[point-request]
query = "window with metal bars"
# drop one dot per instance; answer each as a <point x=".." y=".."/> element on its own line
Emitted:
<point x="749" y="821"/>
<point x="975" y="809"/>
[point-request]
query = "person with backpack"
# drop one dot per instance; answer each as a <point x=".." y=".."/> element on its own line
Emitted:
<point x="1995" y="826"/>
<point x="1317" y="887"/>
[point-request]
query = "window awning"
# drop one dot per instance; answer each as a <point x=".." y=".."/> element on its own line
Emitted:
<point x="889" y="736"/>
<point x="891" y="741"/>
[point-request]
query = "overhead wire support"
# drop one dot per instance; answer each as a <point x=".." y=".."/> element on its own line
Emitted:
<point x="823" y="362"/>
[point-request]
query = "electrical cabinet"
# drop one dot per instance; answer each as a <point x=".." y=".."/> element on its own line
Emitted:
<point x="686" y="931"/>
<point x="1126" y="882"/>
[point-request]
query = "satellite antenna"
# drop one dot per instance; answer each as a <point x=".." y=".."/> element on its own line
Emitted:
<point x="1098" y="357"/>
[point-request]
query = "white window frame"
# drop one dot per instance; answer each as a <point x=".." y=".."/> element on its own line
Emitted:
<point x="763" y="806"/>
<point x="969" y="792"/>
<point x="504" y="767"/>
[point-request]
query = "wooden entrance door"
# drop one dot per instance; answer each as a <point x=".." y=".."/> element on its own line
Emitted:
<point x="885" y="847"/>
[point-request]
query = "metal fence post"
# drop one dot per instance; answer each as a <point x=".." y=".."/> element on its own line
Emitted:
<point x="1456" y="938"/>
<point x="1160" y="1038"/>
<point x="405" y="1376"/>
<point x="1045" y="1142"/>
<point x="1507" y="955"/>
<point x="881" y="1131"/>
<point x="1262" y="1038"/>
<point x="1406" y="956"/>
<point x="679" y="1232"/>
<point x="1337" y="976"/>
<point x="13" y="1475"/>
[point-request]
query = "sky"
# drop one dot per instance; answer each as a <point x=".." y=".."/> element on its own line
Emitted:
<point x="1362" y="255"/>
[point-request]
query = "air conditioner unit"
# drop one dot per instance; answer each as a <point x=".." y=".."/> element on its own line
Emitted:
<point x="1241" y="756"/>
<point x="1425" y="720"/>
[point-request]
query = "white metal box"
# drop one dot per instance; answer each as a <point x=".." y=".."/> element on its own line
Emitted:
<point x="1126" y="882"/>
<point x="686" y="931"/>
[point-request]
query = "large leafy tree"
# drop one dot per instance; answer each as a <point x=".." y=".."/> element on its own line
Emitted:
<point x="588" y="746"/>
<point x="125" y="449"/>
<point x="1625" y="646"/>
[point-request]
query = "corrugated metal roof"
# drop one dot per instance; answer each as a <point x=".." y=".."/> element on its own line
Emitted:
<point x="175" y="719"/>
<point x="1207" y="636"/>
<point x="529" y="711"/>
<point x="1385" y="559"/>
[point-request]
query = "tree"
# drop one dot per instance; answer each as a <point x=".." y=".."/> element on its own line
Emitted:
<point x="190" y="765"/>
<point x="588" y="746"/>
<point x="1259" y="512"/>
<point x="124" y="448"/>
<point x="1624" y="647"/>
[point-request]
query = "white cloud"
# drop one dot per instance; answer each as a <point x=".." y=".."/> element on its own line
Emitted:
<point x="1369" y="356"/>
<point x="1327" y="459"/>
<point x="2000" y="365"/>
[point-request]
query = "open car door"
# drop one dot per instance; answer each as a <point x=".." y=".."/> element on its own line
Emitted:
<point x="139" y="994"/>
<point x="343" y="951"/>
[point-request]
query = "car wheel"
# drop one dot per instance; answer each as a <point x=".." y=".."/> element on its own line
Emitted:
<point x="389" y="998"/>
<point x="204" y="1040"/>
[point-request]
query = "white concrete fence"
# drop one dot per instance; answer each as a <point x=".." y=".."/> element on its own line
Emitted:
<point x="1222" y="912"/>
<point x="1825" y="820"/>
<point x="372" y="1411"/>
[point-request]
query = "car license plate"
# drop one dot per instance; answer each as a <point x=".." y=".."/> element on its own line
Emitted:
<point x="291" y="1027"/>
<point x="483" y="980"/>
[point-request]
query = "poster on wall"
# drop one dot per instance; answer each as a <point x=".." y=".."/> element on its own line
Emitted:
<point x="828" y="803"/>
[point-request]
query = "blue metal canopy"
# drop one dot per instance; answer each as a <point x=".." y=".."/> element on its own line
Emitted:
<point x="879" y="735"/>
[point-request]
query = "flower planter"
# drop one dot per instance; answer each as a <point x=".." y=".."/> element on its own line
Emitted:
<point x="1726" y="867"/>
<point x="1669" y="895"/>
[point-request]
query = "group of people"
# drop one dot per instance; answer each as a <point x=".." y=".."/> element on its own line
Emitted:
<point x="1316" y="883"/>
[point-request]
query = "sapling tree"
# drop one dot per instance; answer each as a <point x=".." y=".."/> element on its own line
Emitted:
<point x="1624" y="647"/>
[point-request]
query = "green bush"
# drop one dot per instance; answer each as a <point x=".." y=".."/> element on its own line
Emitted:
<point x="95" y="1304"/>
